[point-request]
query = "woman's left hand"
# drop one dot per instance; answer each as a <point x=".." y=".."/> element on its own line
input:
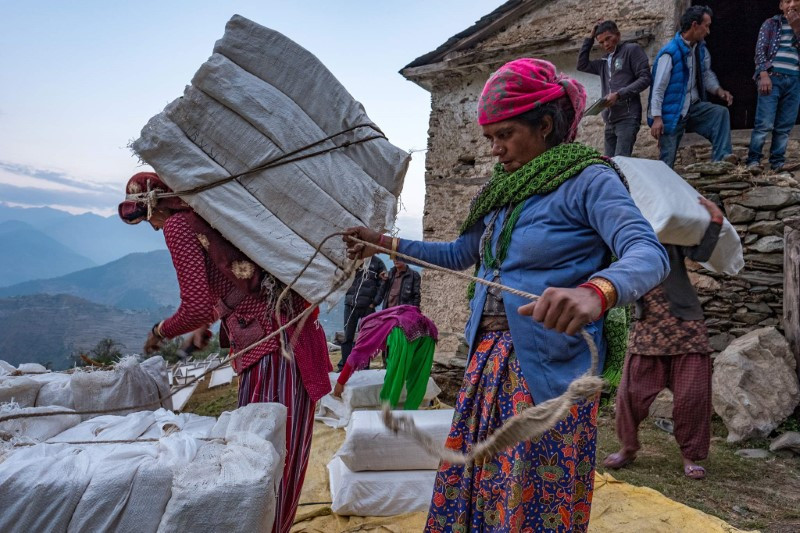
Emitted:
<point x="152" y="344"/>
<point x="337" y="391"/>
<point x="565" y="310"/>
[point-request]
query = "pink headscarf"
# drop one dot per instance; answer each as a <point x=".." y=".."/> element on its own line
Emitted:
<point x="523" y="84"/>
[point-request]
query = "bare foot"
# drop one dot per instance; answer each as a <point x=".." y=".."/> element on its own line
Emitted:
<point x="619" y="459"/>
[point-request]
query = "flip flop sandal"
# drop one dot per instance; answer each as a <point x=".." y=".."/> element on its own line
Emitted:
<point x="616" y="460"/>
<point x="694" y="472"/>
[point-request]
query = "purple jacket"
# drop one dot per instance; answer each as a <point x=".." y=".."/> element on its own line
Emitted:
<point x="769" y="37"/>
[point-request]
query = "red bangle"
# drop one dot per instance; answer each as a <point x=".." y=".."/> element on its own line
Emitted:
<point x="596" y="289"/>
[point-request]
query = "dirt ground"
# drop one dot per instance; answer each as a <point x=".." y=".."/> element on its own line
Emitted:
<point x="762" y="494"/>
<point x="759" y="494"/>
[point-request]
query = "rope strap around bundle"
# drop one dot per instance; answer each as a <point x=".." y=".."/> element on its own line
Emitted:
<point x="150" y="197"/>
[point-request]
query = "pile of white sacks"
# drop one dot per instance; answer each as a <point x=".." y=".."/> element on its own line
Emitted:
<point x="375" y="472"/>
<point x="146" y="471"/>
<point x="378" y="473"/>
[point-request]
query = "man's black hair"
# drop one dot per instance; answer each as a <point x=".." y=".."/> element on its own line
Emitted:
<point x="694" y="14"/>
<point x="607" y="25"/>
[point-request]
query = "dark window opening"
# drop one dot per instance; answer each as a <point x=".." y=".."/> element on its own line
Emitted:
<point x="732" y="43"/>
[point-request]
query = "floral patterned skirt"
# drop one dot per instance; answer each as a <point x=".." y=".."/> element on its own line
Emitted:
<point x="540" y="485"/>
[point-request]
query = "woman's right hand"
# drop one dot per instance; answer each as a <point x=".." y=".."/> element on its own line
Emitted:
<point x="357" y="250"/>
<point x="337" y="391"/>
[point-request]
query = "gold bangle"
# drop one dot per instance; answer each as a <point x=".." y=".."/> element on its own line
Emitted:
<point x="157" y="330"/>
<point x="608" y="290"/>
<point x="393" y="255"/>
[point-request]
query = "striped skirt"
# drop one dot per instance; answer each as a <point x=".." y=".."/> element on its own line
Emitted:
<point x="276" y="379"/>
<point x="539" y="485"/>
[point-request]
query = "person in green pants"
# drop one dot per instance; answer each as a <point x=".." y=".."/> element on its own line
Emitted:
<point x="409" y="338"/>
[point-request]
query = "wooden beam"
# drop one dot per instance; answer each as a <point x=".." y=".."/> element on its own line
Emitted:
<point x="791" y="286"/>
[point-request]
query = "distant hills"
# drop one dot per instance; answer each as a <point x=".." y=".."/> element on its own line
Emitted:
<point x="88" y="236"/>
<point x="138" y="281"/>
<point x="27" y="253"/>
<point x="49" y="329"/>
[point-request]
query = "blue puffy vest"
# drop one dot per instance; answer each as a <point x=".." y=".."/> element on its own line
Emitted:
<point x="676" y="89"/>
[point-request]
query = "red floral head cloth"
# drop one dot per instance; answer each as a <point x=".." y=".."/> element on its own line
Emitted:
<point x="135" y="209"/>
<point x="523" y="84"/>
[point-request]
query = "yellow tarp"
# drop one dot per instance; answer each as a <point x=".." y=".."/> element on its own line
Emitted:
<point x="617" y="507"/>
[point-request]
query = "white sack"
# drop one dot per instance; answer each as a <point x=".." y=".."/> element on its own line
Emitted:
<point x="6" y="368"/>
<point x="670" y="204"/>
<point x="261" y="96"/>
<point x="229" y="487"/>
<point x="131" y="485"/>
<point x="108" y="427"/>
<point x="156" y="368"/>
<point x="363" y="391"/>
<point x="168" y="422"/>
<point x="32" y="368"/>
<point x="267" y="420"/>
<point x="38" y="428"/>
<point x="19" y="389"/>
<point x="56" y="390"/>
<point x="369" y="445"/>
<point x="42" y="485"/>
<point x="379" y="493"/>
<point x="128" y="384"/>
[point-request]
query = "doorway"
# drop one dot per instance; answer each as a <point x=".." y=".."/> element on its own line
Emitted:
<point x="732" y="44"/>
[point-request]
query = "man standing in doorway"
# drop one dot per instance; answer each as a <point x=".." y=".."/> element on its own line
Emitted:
<point x="682" y="79"/>
<point x="624" y="73"/>
<point x="778" y="79"/>
<point x="401" y="287"/>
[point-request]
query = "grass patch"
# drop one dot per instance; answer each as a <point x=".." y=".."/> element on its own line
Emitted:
<point x="213" y="402"/>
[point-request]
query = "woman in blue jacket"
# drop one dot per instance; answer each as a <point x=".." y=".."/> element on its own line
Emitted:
<point x="548" y="223"/>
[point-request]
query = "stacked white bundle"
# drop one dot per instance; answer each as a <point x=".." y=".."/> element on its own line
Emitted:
<point x="129" y="383"/>
<point x="670" y="204"/>
<point x="182" y="482"/>
<point x="260" y="97"/>
<point x="363" y="391"/>
<point x="379" y="473"/>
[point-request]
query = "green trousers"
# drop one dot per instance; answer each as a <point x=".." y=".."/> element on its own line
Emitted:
<point x="409" y="364"/>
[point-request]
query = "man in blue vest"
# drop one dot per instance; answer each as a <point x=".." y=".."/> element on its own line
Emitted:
<point x="682" y="79"/>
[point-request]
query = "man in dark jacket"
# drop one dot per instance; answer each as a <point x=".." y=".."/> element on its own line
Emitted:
<point x="624" y="73"/>
<point x="401" y="287"/>
<point x="360" y="302"/>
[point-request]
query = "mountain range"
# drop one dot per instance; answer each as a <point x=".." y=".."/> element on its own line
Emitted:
<point x="70" y="281"/>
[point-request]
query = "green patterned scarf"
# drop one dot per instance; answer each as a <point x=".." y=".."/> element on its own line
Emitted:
<point x="540" y="175"/>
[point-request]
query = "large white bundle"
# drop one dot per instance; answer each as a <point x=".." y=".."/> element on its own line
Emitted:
<point x="108" y="427"/>
<point x="363" y="390"/>
<point x="37" y="428"/>
<point x="265" y="420"/>
<point x="42" y="485"/>
<point x="32" y="368"/>
<point x="21" y="390"/>
<point x="371" y="446"/>
<point x="128" y="384"/>
<point x="228" y="487"/>
<point x="379" y="493"/>
<point x="167" y="422"/>
<point x="131" y="485"/>
<point x="56" y="390"/>
<point x="6" y="368"/>
<point x="670" y="204"/>
<point x="259" y="97"/>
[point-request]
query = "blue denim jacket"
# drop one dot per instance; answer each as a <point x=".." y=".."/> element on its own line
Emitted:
<point x="560" y="240"/>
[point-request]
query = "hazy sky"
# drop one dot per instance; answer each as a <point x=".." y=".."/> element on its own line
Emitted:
<point x="79" y="79"/>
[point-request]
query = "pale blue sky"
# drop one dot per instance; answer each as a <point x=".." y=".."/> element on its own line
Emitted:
<point x="79" y="79"/>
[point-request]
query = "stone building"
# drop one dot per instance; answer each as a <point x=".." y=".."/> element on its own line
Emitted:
<point x="459" y="160"/>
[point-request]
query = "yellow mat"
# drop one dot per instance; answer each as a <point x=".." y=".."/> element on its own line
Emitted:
<point x="616" y="506"/>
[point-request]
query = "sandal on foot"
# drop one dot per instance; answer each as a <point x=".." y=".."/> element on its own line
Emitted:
<point x="694" y="471"/>
<point x="617" y="460"/>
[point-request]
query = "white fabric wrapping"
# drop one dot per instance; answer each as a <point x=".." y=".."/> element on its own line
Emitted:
<point x="369" y="445"/>
<point x="19" y="389"/>
<point x="670" y="204"/>
<point x="379" y="493"/>
<point x="128" y="384"/>
<point x="55" y="390"/>
<point x="42" y="485"/>
<point x="6" y="367"/>
<point x="32" y="368"/>
<point x="37" y="428"/>
<point x="258" y="97"/>
<point x="108" y="427"/>
<point x="363" y="391"/>
<point x="229" y="487"/>
<point x="167" y="422"/>
<point x="265" y="420"/>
